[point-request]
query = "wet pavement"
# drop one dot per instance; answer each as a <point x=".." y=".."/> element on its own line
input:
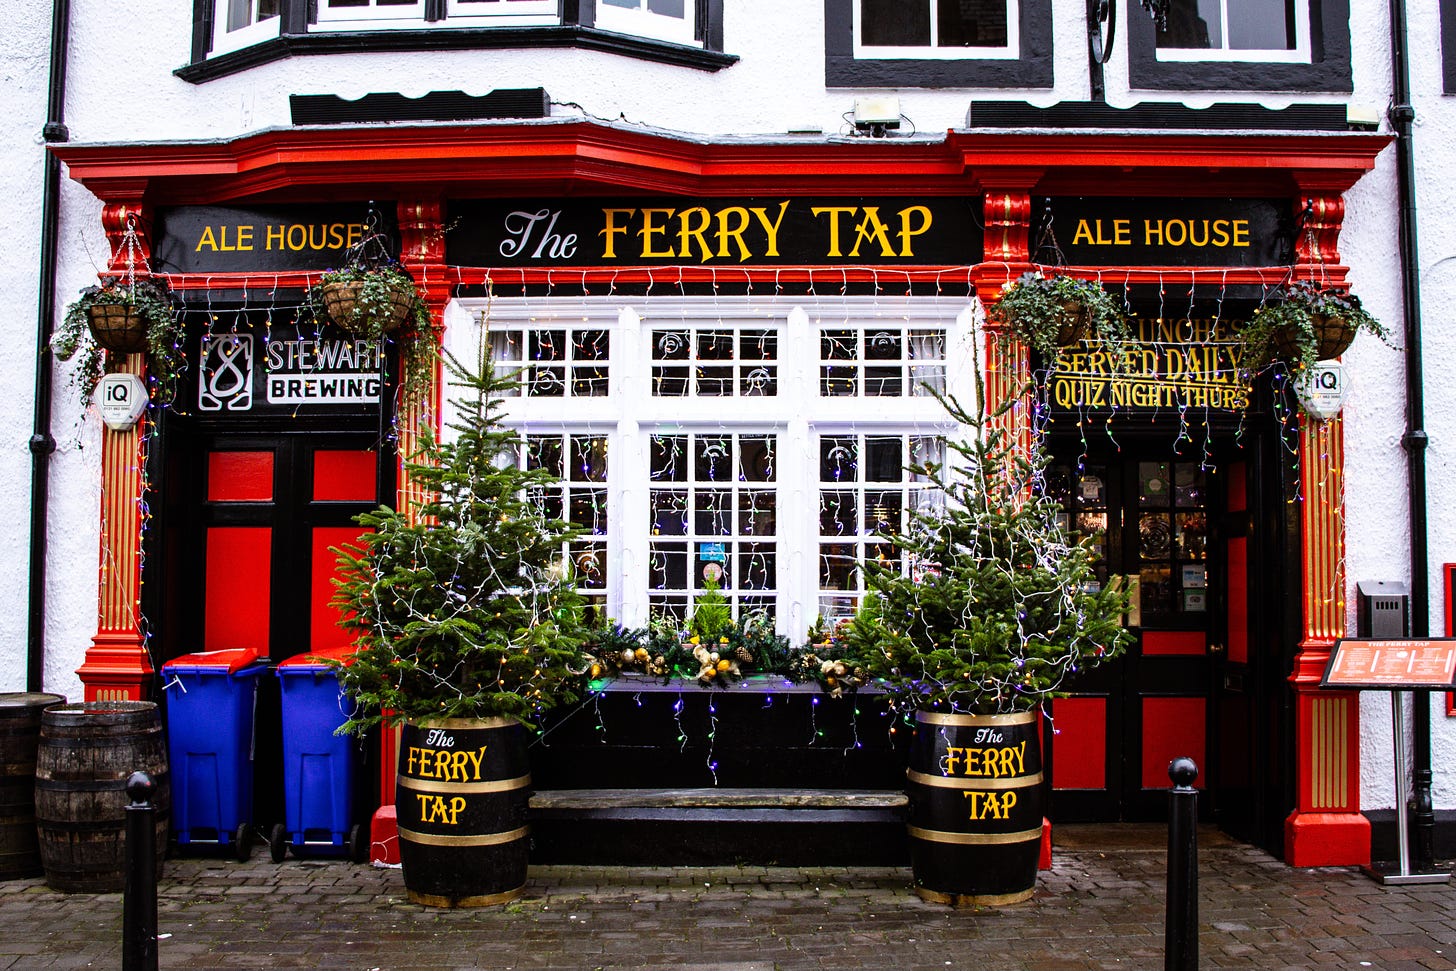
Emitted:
<point x="1100" y="906"/>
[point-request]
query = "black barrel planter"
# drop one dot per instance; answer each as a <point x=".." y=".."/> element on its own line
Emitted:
<point x="87" y="752"/>
<point x="19" y="739"/>
<point x="976" y="807"/>
<point x="461" y="803"/>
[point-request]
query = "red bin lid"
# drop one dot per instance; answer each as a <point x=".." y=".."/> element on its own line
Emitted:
<point x="214" y="662"/>
<point x="317" y="659"/>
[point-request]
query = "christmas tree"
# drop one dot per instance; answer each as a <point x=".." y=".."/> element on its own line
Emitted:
<point x="464" y="606"/>
<point x="996" y="608"/>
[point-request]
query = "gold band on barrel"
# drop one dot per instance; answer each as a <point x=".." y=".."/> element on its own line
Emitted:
<point x="479" y="839"/>
<point x="940" y="718"/>
<point x="973" y="899"/>
<point x="958" y="782"/>
<point x="483" y="900"/>
<point x="494" y="785"/>
<point x="974" y="839"/>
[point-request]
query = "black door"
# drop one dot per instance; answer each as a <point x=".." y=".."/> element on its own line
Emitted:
<point x="1154" y="517"/>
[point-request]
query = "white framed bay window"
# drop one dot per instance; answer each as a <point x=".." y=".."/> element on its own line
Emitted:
<point x="761" y="446"/>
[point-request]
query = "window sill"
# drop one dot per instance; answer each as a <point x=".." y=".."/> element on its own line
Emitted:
<point x="445" y="39"/>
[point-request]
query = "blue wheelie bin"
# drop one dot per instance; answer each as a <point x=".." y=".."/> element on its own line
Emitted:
<point x="318" y="765"/>
<point x="211" y="698"/>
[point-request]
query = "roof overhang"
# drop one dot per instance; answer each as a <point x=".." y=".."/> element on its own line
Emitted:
<point x="562" y="157"/>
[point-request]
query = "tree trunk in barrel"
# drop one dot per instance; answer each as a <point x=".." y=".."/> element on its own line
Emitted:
<point x="461" y="803"/>
<point x="19" y="739"/>
<point x="976" y="807"/>
<point x="87" y="751"/>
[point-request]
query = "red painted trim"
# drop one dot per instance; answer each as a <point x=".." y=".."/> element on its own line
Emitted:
<point x="1326" y="839"/>
<point x="344" y="475"/>
<point x="238" y="588"/>
<point x="1172" y="727"/>
<point x="1238" y="600"/>
<point x="239" y="476"/>
<point x="1448" y="589"/>
<point x="1163" y="643"/>
<point x="323" y="620"/>
<point x="581" y="157"/>
<point x="1079" y="750"/>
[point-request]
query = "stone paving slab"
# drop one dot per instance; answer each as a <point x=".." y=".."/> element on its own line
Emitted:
<point x="1094" y="909"/>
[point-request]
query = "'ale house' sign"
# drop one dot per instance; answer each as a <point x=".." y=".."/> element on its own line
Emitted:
<point x="1185" y="352"/>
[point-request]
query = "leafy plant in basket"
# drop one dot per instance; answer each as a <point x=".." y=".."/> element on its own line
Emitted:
<point x="375" y="299"/>
<point x="1000" y="608"/>
<point x="462" y="606"/>
<point x="120" y="317"/>
<point x="712" y="647"/>
<point x="1051" y="312"/>
<point x="1303" y="323"/>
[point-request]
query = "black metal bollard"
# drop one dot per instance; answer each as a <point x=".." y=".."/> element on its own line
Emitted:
<point x="1180" y="941"/>
<point x="139" y="906"/>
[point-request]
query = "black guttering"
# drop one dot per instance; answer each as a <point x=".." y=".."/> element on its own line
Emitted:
<point x="42" y="444"/>
<point x="1402" y="119"/>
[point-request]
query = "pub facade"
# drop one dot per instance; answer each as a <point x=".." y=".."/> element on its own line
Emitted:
<point x="722" y="340"/>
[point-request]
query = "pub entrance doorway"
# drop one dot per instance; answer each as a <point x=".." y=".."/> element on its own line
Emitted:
<point x="1196" y="535"/>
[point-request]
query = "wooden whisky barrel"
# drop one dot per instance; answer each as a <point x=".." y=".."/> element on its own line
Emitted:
<point x="19" y="739"/>
<point x="87" y="751"/>
<point x="461" y="799"/>
<point x="976" y="807"/>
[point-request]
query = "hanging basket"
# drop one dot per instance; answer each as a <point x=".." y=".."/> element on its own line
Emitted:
<point x="341" y="303"/>
<point x="1075" y="329"/>
<point x="1332" y="337"/>
<point x="118" y="327"/>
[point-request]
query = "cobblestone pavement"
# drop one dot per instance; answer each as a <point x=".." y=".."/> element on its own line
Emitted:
<point x="1094" y="909"/>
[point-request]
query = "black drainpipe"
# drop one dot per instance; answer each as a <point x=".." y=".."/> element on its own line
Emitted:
<point x="1402" y="119"/>
<point x="41" y="442"/>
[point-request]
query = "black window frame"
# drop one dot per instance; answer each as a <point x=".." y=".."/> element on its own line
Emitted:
<point x="1032" y="69"/>
<point x="1328" y="70"/>
<point x="577" y="30"/>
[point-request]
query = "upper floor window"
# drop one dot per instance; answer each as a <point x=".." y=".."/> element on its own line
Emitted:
<point x="683" y="32"/>
<point x="938" y="43"/>
<point x="240" y="23"/>
<point x="1248" y="30"/>
<point x="670" y="20"/>
<point x="936" y="28"/>
<point x="1242" y="45"/>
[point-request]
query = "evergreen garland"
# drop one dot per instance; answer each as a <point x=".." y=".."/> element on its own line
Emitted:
<point x="465" y="608"/>
<point x="999" y="609"/>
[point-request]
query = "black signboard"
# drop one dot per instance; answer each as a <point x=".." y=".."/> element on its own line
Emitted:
<point x="1094" y="231"/>
<point x="222" y="239"/>
<point x="767" y="231"/>
<point x="1391" y="665"/>
<point x="267" y="368"/>
<point x="1184" y="354"/>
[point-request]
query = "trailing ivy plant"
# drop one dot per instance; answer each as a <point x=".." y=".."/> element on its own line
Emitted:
<point x="1302" y="323"/>
<point x="1049" y="313"/>
<point x="380" y="288"/>
<point x="152" y="303"/>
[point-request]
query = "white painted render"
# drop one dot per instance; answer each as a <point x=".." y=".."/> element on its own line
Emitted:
<point x="121" y="88"/>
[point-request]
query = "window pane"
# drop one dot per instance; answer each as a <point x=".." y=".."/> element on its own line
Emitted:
<point x="666" y="8"/>
<point x="1192" y="24"/>
<point x="972" y="23"/>
<point x="895" y="23"/>
<point x="1261" y="25"/>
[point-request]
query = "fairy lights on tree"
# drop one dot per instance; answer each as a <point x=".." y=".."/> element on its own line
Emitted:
<point x="999" y="608"/>
<point x="463" y="607"/>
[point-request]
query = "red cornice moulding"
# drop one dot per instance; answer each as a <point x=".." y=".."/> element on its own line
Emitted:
<point x="589" y="158"/>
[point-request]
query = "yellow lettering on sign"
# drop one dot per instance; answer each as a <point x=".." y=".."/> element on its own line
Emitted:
<point x="436" y="809"/>
<point x="739" y="215"/>
<point x="990" y="805"/>
<point x="995" y="762"/>
<point x="834" y="212"/>
<point x="871" y="227"/>
<point x="611" y="230"/>
<point x="906" y="233"/>
<point x="443" y="764"/>
<point x="651" y="229"/>
<point x="692" y="224"/>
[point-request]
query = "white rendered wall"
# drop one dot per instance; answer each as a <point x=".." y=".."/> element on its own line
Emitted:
<point x="777" y="86"/>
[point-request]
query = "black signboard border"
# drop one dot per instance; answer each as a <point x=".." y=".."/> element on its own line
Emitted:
<point x="1408" y="686"/>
